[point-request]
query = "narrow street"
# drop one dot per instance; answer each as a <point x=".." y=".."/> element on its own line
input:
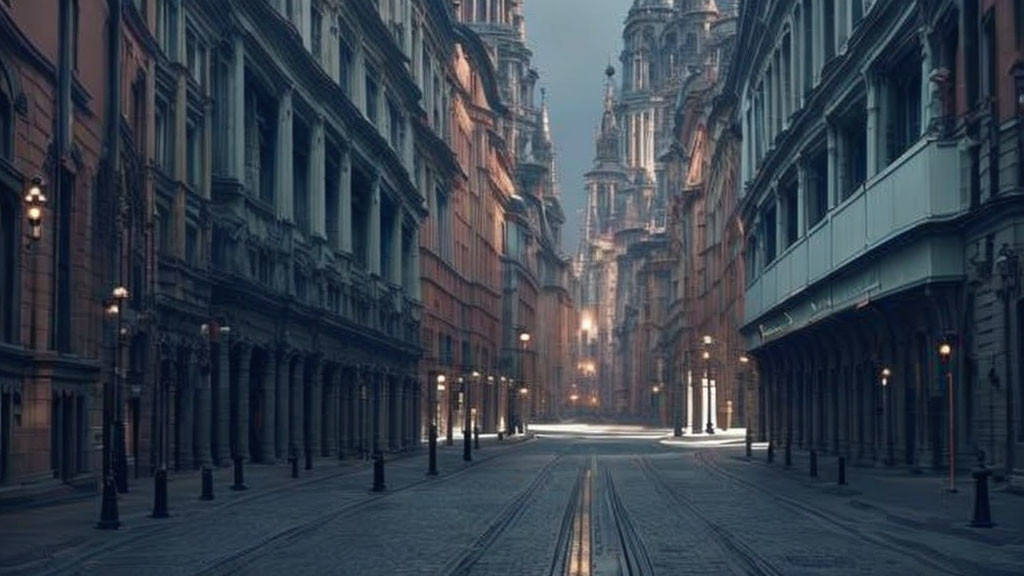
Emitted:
<point x="574" y="500"/>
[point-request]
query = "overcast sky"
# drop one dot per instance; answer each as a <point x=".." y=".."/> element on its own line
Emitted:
<point x="572" y="41"/>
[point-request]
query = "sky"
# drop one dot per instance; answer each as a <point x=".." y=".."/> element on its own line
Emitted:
<point x="572" y="41"/>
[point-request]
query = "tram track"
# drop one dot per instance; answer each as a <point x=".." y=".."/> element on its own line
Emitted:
<point x="634" y="559"/>
<point x="465" y="562"/>
<point x="238" y="559"/>
<point x="741" y="558"/>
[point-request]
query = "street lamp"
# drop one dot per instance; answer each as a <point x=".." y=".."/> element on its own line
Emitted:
<point x="945" y="354"/>
<point x="886" y="415"/>
<point x="706" y="355"/>
<point x="119" y="297"/>
<point x="35" y="201"/>
<point x="524" y="340"/>
<point x="523" y="392"/>
<point x="432" y="436"/>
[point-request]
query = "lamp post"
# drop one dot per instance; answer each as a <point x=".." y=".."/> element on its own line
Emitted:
<point x="35" y="202"/>
<point x="655" y="390"/>
<point x="467" y="416"/>
<point x="886" y="416"/>
<point x="707" y="340"/>
<point x="434" y="416"/>
<point x="119" y="297"/>
<point x="109" y="516"/>
<point x="524" y="340"/>
<point x="945" y="353"/>
<point x="507" y="417"/>
<point x="523" y="393"/>
<point x="448" y="440"/>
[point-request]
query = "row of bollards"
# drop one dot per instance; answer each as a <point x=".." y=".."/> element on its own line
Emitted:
<point x="982" y="517"/>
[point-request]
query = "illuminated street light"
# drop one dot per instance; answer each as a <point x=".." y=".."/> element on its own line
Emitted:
<point x="744" y="360"/>
<point x="707" y="339"/>
<point x="945" y="353"/>
<point x="35" y="200"/>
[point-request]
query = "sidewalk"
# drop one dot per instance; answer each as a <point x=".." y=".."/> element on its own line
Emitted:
<point x="893" y="505"/>
<point x="32" y="537"/>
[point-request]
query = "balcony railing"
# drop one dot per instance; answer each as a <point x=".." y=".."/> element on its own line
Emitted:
<point x="921" y="186"/>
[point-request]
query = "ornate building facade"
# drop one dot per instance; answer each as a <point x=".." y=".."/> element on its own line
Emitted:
<point x="881" y="182"/>
<point x="624" y="263"/>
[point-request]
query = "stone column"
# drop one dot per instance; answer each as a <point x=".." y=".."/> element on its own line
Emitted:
<point x="268" y="384"/>
<point x="236" y="120"/>
<point x="185" y="413"/>
<point x="796" y="43"/>
<point x="317" y="189"/>
<point x="929" y="90"/>
<point x="284" y="196"/>
<point x="818" y="33"/>
<point x="396" y="247"/>
<point x="222" y="449"/>
<point x="331" y="413"/>
<point x="414" y="275"/>
<point x="283" y="417"/>
<point x="297" y="390"/>
<point x="242" y="382"/>
<point x="833" y="165"/>
<point x="345" y="201"/>
<point x="695" y="426"/>
<point x="375" y="226"/>
<point x="315" y="404"/>
<point x="376" y="391"/>
<point x="872" y="135"/>
<point x="204" y="412"/>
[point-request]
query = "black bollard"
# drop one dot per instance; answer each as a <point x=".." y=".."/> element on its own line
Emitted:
<point x="239" y="475"/>
<point x="750" y="445"/>
<point x="501" y="436"/>
<point x="467" y="447"/>
<point x="432" y="442"/>
<point x="476" y="438"/>
<point x="207" y="484"/>
<point x="294" y="461"/>
<point x="982" y="510"/>
<point x="842" y="471"/>
<point x="814" y="464"/>
<point x="789" y="455"/>
<point x="771" y="452"/>
<point x="109" y="517"/>
<point x="160" y="494"/>
<point x="309" y="459"/>
<point x="378" y="471"/>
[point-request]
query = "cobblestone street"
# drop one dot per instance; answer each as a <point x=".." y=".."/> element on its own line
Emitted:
<point x="633" y="501"/>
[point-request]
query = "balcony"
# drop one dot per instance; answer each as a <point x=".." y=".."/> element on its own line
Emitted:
<point x="922" y="186"/>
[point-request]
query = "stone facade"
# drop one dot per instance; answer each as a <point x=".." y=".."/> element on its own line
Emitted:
<point x="881" y="188"/>
<point x="54" y="112"/>
<point x="535" y="274"/>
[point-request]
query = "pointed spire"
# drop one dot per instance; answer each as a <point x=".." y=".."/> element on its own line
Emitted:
<point x="544" y="118"/>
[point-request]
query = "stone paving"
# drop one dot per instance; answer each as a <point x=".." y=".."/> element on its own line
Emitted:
<point x="695" y="508"/>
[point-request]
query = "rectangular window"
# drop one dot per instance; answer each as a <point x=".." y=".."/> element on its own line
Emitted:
<point x="791" y="208"/>
<point x="904" y="102"/>
<point x="817" y="189"/>
<point x="372" y="96"/>
<point x="191" y="245"/>
<point x="395" y="125"/>
<point x="854" y="143"/>
<point x="345" y="68"/>
<point x="165" y="226"/>
<point x="769" y="232"/>
<point x="830" y="28"/>
<point x="988" y="56"/>
<point x="316" y="34"/>
<point x="1018" y="23"/>
<point x="193" y="155"/>
<point x="75" y="23"/>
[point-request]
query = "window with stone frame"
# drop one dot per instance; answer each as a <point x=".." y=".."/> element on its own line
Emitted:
<point x="316" y="32"/>
<point x="396" y="129"/>
<point x="345" y="67"/>
<point x="853" y="153"/>
<point x="902" y="102"/>
<point x="817" y="188"/>
<point x="372" y="96"/>
<point x="789" y="195"/>
<point x="769" y="232"/>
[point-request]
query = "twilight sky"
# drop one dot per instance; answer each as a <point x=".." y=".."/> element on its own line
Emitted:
<point x="572" y="41"/>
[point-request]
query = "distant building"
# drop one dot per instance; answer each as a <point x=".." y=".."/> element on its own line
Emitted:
<point x="624" y="263"/>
